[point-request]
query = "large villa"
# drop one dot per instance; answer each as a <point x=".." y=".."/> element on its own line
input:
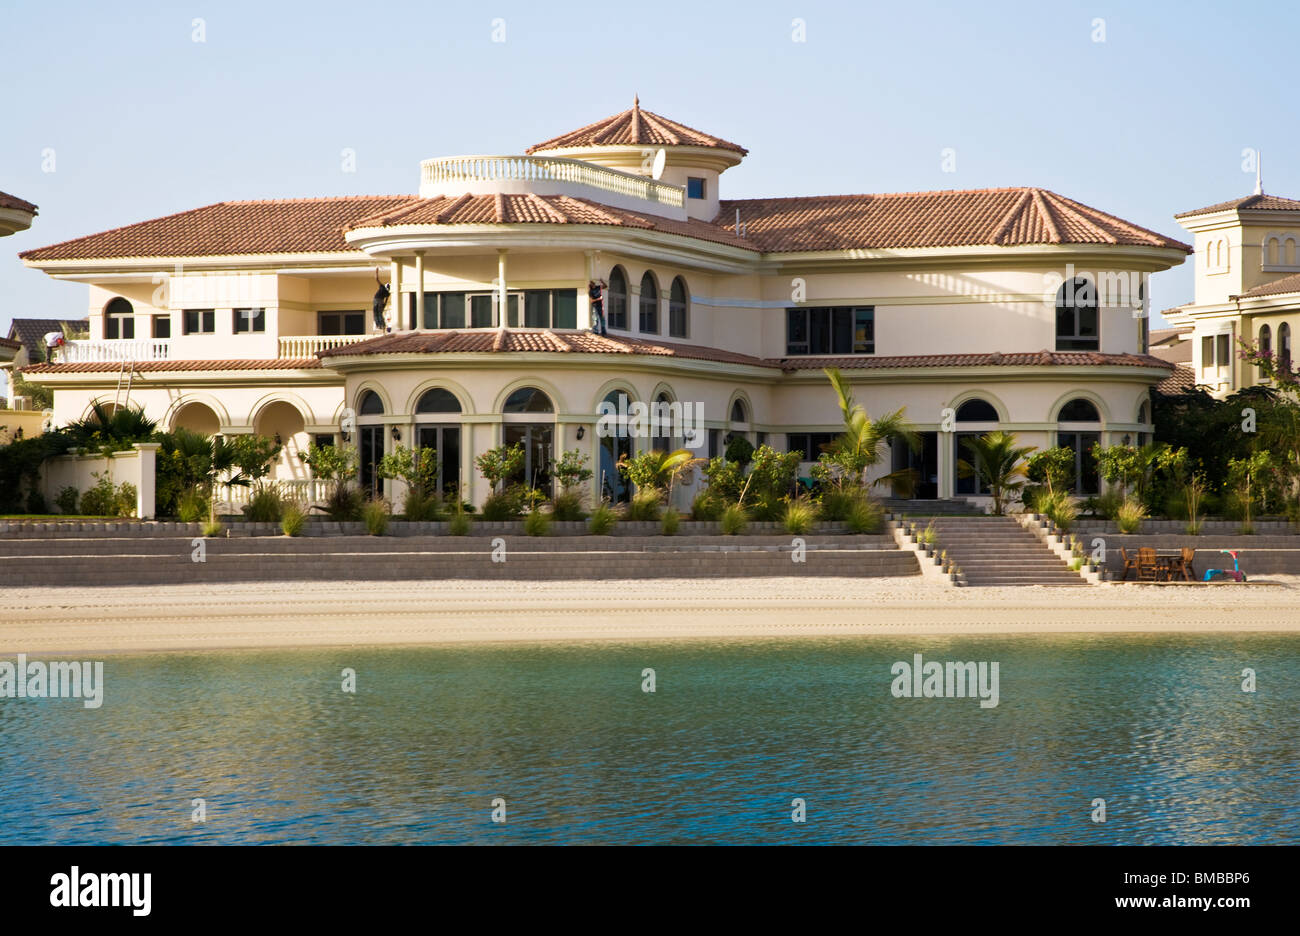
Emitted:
<point x="1015" y="308"/>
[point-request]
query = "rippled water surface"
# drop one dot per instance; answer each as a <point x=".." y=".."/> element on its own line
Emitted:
<point x="1157" y="726"/>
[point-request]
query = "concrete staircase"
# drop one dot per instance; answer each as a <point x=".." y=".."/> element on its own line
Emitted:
<point x="163" y="560"/>
<point x="999" y="551"/>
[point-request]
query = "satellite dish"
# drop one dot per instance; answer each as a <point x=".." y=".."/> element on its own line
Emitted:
<point x="657" y="168"/>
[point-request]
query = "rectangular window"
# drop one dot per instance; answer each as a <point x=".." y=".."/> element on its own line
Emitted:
<point x="864" y="331"/>
<point x="480" y="311"/>
<point x="199" y="321"/>
<point x="324" y="440"/>
<point x="537" y="308"/>
<point x="341" y="323"/>
<point x="715" y="443"/>
<point x="452" y="313"/>
<point x="564" y="313"/>
<point x="837" y="330"/>
<point x="695" y="188"/>
<point x="808" y="444"/>
<point x="1221" y="358"/>
<point x="162" y="326"/>
<point x="119" y="326"/>
<point x="249" y="320"/>
<point x="512" y="310"/>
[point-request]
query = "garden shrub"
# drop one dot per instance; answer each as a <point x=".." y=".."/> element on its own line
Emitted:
<point x="67" y="500"/>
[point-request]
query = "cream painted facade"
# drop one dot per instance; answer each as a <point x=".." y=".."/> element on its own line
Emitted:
<point x="927" y="305"/>
<point x="1240" y="251"/>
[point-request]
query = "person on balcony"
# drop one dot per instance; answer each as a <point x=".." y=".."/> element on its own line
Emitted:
<point x="53" y="341"/>
<point x="596" y="292"/>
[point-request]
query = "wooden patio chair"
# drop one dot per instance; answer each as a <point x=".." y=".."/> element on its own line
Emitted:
<point x="1189" y="572"/>
<point x="1130" y="562"/>
<point x="1148" y="567"/>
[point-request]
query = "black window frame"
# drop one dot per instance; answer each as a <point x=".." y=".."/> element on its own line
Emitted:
<point x="616" y="301"/>
<point x="697" y="187"/>
<point x="1069" y="310"/>
<point x="248" y="325"/>
<point x="843" y="331"/>
<point x="204" y="321"/>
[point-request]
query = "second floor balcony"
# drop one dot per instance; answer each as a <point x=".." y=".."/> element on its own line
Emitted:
<point x="168" y="349"/>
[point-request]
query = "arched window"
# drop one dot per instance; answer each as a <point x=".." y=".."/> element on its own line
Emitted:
<point x="1284" y="345"/>
<point x="1076" y="316"/>
<point x="1144" y="414"/>
<point x="1265" y="339"/>
<point x="528" y="400"/>
<point x="649" y="305"/>
<point x="616" y="304"/>
<point x="677" y="306"/>
<point x="738" y="413"/>
<point x="437" y="400"/>
<point x="1079" y="410"/>
<point x="119" y="319"/>
<point x="1081" y="443"/>
<point x="371" y="404"/>
<point x="977" y="411"/>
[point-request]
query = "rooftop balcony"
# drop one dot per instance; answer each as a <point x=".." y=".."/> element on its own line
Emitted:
<point x="549" y="175"/>
<point x="196" y="347"/>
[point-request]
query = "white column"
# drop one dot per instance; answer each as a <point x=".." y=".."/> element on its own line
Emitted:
<point x="419" y="289"/>
<point x="396" y="297"/>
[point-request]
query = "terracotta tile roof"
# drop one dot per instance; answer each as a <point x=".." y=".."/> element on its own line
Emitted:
<point x="510" y="340"/>
<point x="1181" y="381"/>
<point x="1249" y="203"/>
<point x="303" y="225"/>
<point x="1279" y="287"/>
<point x="13" y="201"/>
<point x="635" y="127"/>
<point x="540" y="209"/>
<point x="1001" y="217"/>
<point x="31" y="332"/>
<point x="993" y="359"/>
<point x="99" y="367"/>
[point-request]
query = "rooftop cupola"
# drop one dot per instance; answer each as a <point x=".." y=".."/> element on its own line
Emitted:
<point x="630" y="141"/>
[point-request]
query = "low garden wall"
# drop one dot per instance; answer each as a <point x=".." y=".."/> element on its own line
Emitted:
<point x="84" y="471"/>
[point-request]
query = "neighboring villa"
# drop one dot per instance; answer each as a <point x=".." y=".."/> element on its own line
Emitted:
<point x="1247" y="287"/>
<point x="15" y="215"/>
<point x="256" y="316"/>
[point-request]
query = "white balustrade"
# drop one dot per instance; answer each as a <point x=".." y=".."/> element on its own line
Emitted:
<point x="306" y="346"/>
<point x="83" y="351"/>
<point x="471" y="169"/>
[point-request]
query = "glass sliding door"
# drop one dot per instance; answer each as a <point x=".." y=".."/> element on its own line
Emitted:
<point x="371" y="451"/>
<point x="536" y="440"/>
<point x="445" y="440"/>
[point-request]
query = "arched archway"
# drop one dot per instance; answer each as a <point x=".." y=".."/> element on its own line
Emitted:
<point x="284" y="422"/>
<point x="196" y="417"/>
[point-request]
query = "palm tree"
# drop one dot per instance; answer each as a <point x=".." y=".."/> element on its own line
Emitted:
<point x="860" y="446"/>
<point x="115" y="427"/>
<point x="999" y="463"/>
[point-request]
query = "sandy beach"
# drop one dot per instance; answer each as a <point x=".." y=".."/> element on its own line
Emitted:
<point x="298" y="614"/>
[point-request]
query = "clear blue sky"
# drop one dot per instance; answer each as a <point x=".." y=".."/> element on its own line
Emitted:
<point x="144" y="121"/>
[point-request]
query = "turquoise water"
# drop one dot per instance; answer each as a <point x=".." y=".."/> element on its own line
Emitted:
<point x="1157" y="726"/>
